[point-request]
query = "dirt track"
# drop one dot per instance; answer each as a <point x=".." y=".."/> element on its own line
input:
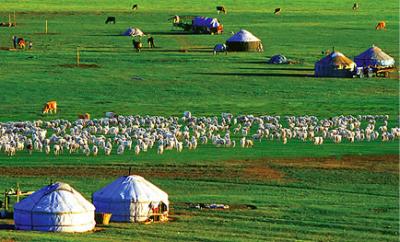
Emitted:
<point x="258" y="170"/>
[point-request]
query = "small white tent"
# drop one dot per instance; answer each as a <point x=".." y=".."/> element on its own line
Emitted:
<point x="244" y="41"/>
<point x="57" y="207"/>
<point x="374" y="56"/>
<point x="133" y="32"/>
<point x="130" y="199"/>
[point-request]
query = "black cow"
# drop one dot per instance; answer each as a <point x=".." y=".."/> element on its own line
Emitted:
<point x="135" y="7"/>
<point x="110" y="20"/>
<point x="277" y="11"/>
<point x="221" y="9"/>
<point x="355" y="6"/>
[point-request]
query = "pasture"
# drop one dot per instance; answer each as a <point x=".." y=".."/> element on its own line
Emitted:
<point x="332" y="192"/>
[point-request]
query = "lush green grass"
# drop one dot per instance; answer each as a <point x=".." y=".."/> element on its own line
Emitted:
<point x="310" y="204"/>
<point x="363" y="207"/>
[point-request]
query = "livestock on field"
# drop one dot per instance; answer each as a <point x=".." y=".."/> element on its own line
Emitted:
<point x="50" y="106"/>
<point x="89" y="136"/>
<point x="110" y="19"/>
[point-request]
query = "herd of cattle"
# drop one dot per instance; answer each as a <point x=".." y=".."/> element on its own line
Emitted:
<point x="118" y="134"/>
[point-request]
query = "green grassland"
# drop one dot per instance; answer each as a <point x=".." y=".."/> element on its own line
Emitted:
<point x="346" y="202"/>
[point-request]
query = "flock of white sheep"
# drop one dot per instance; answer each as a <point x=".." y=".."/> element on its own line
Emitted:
<point x="118" y="134"/>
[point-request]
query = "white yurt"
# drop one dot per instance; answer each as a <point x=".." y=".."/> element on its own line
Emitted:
<point x="131" y="199"/>
<point x="335" y="65"/>
<point x="244" y="41"/>
<point x="374" y="56"/>
<point x="56" y="207"/>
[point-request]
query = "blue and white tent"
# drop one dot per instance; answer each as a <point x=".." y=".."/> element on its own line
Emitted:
<point x="278" y="59"/>
<point x="130" y="199"/>
<point x="56" y="207"/>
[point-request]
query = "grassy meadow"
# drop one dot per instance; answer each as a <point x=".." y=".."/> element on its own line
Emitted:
<point x="334" y="192"/>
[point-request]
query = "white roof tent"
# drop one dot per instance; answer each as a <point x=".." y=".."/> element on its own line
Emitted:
<point x="374" y="56"/>
<point x="130" y="199"/>
<point x="133" y="32"/>
<point x="56" y="208"/>
<point x="244" y="41"/>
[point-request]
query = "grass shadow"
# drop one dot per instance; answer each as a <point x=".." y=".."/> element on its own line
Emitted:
<point x="278" y="68"/>
<point x="256" y="74"/>
<point x="7" y="227"/>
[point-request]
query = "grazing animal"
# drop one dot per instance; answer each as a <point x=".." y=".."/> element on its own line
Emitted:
<point x="355" y="6"/>
<point x="175" y="19"/>
<point x="137" y="150"/>
<point x="221" y="9"/>
<point x="84" y="116"/>
<point x="29" y="147"/>
<point x="50" y="107"/>
<point x="318" y="140"/>
<point x="110" y="20"/>
<point x="47" y="149"/>
<point x="57" y="149"/>
<point x="107" y="151"/>
<point x="21" y="43"/>
<point x="135" y="7"/>
<point x="95" y="150"/>
<point x="137" y="45"/>
<point x="381" y="25"/>
<point x="150" y="42"/>
<point x="277" y="11"/>
<point x="160" y="149"/>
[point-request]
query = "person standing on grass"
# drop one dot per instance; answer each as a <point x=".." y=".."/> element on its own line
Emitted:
<point x="15" y="41"/>
<point x="150" y="42"/>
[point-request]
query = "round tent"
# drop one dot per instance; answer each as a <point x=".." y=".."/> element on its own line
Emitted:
<point x="56" y="207"/>
<point x="278" y="59"/>
<point x="244" y="41"/>
<point x="131" y="199"/>
<point x="334" y="65"/>
<point x="374" y="56"/>
<point x="133" y="32"/>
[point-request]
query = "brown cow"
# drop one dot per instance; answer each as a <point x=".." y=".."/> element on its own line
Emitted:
<point x="85" y="116"/>
<point x="381" y="25"/>
<point x="50" y="107"/>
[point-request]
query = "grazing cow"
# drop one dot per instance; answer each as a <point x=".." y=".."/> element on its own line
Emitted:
<point x="110" y="20"/>
<point x="381" y="25"/>
<point x="277" y="11"/>
<point x="137" y="45"/>
<point x="50" y="107"/>
<point x="85" y="116"/>
<point x="21" y="43"/>
<point x="355" y="6"/>
<point x="135" y="7"/>
<point x="150" y="42"/>
<point x="221" y="9"/>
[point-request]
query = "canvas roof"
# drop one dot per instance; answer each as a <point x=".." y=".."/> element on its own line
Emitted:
<point x="133" y="32"/>
<point x="131" y="188"/>
<point x="336" y="59"/>
<point x="243" y="36"/>
<point x="55" y="198"/>
<point x="206" y="22"/>
<point x="374" y="56"/>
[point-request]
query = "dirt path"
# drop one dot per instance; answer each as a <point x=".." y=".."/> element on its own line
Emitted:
<point x="257" y="170"/>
